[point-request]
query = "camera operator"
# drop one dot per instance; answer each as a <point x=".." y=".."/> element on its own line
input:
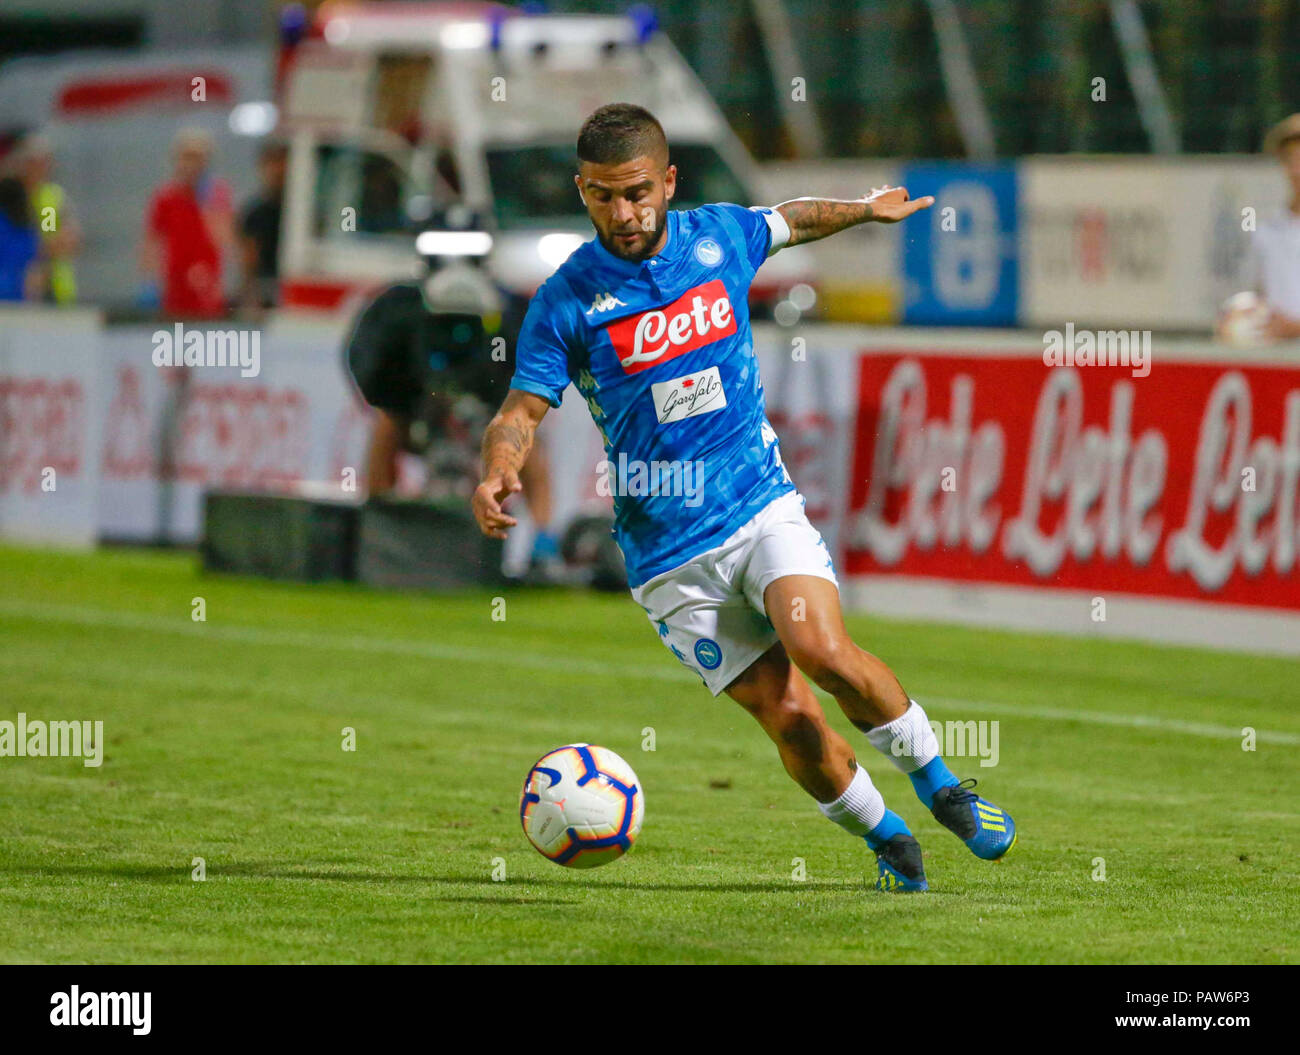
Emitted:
<point x="434" y="358"/>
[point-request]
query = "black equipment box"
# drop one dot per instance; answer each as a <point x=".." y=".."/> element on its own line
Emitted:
<point x="279" y="537"/>
<point x="416" y="544"/>
<point x="425" y="545"/>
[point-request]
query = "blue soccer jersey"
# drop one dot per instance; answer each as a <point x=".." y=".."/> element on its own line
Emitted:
<point x="662" y="352"/>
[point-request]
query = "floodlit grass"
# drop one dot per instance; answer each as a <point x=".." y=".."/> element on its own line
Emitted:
<point x="224" y="742"/>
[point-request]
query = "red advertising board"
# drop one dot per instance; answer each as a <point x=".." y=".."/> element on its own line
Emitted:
<point x="1182" y="484"/>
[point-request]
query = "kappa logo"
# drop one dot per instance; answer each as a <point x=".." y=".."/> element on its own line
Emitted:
<point x="605" y="302"/>
<point x="698" y="317"/>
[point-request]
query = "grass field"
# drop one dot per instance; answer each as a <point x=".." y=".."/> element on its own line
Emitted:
<point x="224" y="741"/>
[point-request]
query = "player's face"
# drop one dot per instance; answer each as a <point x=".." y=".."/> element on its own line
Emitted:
<point x="628" y="204"/>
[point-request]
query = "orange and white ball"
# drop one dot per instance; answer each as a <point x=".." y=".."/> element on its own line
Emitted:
<point x="581" y="806"/>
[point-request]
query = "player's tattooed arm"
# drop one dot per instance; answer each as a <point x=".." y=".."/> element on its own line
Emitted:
<point x="506" y="446"/>
<point x="507" y="442"/>
<point x="812" y="218"/>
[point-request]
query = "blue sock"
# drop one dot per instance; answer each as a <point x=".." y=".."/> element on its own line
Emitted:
<point x="891" y="824"/>
<point x="545" y="546"/>
<point x="932" y="776"/>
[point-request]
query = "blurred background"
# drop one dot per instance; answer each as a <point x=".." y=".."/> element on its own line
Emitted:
<point x="261" y="266"/>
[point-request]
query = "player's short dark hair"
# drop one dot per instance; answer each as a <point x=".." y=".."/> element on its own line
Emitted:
<point x="619" y="132"/>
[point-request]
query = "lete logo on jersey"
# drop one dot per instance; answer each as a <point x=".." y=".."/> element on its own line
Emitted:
<point x="688" y="395"/>
<point x="698" y="317"/>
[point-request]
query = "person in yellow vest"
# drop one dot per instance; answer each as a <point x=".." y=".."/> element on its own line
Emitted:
<point x="60" y="233"/>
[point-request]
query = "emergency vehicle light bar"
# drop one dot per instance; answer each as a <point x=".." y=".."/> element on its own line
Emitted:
<point x="453" y="243"/>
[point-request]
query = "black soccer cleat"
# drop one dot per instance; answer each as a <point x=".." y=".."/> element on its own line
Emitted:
<point x="899" y="864"/>
<point x="988" y="831"/>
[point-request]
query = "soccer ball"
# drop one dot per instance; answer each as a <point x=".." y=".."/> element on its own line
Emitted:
<point x="581" y="806"/>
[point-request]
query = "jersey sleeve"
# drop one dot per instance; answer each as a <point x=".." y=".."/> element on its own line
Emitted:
<point x="763" y="230"/>
<point x="545" y="343"/>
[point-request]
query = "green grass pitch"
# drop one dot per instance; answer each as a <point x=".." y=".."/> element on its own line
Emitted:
<point x="224" y="741"/>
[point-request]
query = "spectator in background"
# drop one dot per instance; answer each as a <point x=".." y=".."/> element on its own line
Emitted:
<point x="1277" y="241"/>
<point x="21" y="276"/>
<point x="52" y="216"/>
<point x="260" y="231"/>
<point x="189" y="229"/>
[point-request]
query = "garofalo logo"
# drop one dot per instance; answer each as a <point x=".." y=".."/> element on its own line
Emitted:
<point x="75" y="1008"/>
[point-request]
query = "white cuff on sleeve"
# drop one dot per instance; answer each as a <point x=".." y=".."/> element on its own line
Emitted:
<point x="780" y="229"/>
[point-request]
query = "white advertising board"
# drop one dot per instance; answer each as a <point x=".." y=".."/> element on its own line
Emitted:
<point x="49" y="426"/>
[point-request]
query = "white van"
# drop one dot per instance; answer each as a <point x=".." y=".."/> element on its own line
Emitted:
<point x="392" y="110"/>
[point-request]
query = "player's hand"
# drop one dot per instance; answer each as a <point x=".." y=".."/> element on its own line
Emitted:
<point x="891" y="204"/>
<point x="493" y="521"/>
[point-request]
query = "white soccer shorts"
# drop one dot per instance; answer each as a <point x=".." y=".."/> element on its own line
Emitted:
<point x="709" y="611"/>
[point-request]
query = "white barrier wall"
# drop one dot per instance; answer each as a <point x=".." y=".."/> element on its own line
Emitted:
<point x="1146" y="242"/>
<point x="955" y="475"/>
<point x="296" y="422"/>
<point x="89" y="422"/>
<point x="49" y="426"/>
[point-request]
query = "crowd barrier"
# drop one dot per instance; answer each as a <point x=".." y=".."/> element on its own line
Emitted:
<point x="954" y="473"/>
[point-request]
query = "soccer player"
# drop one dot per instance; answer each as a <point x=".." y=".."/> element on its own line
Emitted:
<point x="650" y="322"/>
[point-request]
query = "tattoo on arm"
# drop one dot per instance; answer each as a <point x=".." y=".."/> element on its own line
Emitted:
<point x="813" y="218"/>
<point x="506" y="444"/>
<point x="519" y="439"/>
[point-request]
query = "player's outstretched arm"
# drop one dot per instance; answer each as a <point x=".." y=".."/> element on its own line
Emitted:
<point x="813" y="218"/>
<point x="506" y="444"/>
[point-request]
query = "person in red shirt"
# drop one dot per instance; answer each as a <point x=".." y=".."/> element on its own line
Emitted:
<point x="189" y="228"/>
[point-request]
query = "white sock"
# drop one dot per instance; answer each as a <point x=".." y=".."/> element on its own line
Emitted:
<point x="860" y="808"/>
<point x="908" y="741"/>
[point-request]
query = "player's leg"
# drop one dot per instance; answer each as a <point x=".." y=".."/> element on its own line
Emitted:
<point x="535" y="475"/>
<point x="818" y="759"/>
<point x="805" y="612"/>
<point x="822" y="763"/>
<point x="708" y="623"/>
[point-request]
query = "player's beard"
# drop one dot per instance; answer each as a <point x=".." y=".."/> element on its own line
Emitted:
<point x="644" y="247"/>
